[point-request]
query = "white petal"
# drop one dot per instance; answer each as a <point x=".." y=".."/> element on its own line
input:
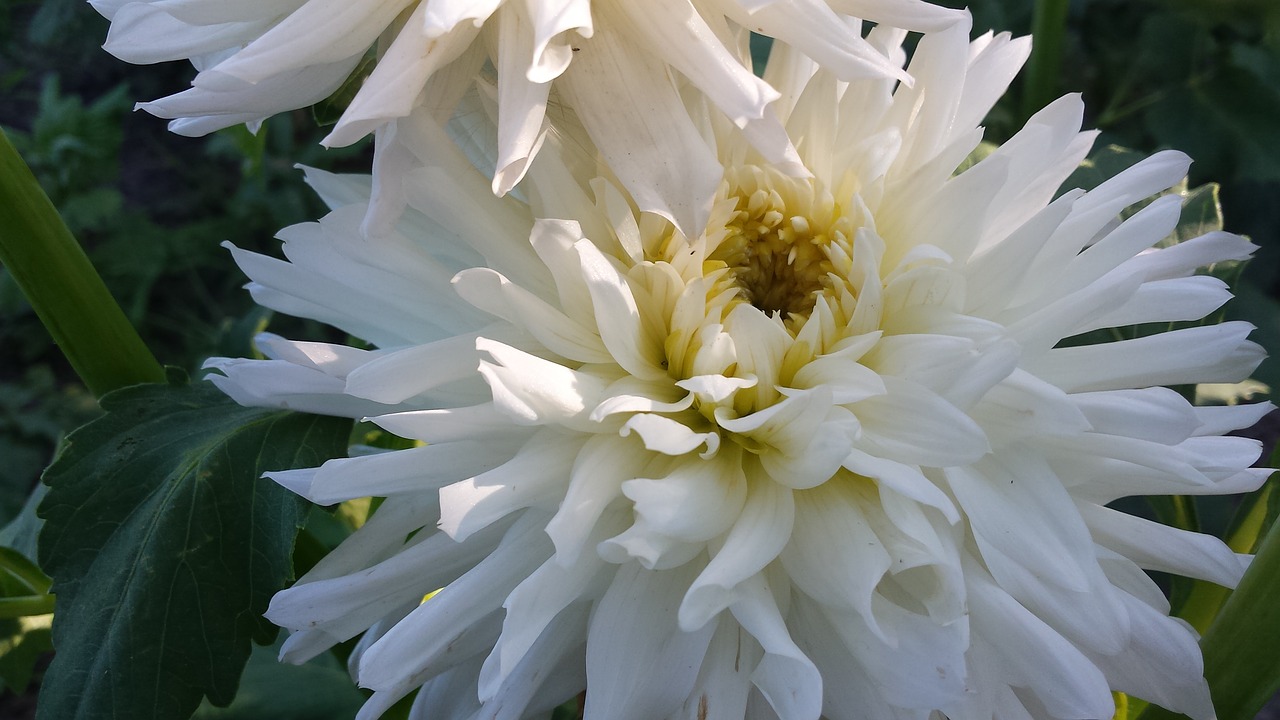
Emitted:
<point x="404" y="471"/>
<point x="393" y="87"/>
<point x="397" y="376"/>
<point x="622" y="327"/>
<point x="1159" y="547"/>
<point x="430" y="630"/>
<point x="599" y="470"/>
<point x="904" y="480"/>
<point x="696" y="501"/>
<point x="553" y="662"/>
<point x="624" y="101"/>
<point x="522" y="102"/>
<point x="1015" y="506"/>
<point x="757" y="537"/>
<point x="834" y="555"/>
<point x="676" y="32"/>
<point x="1031" y="655"/>
<point x="493" y="293"/>
<point x="552" y="21"/>
<point x="210" y="106"/>
<point x="640" y="663"/>
<point x="1211" y="353"/>
<point x="462" y="423"/>
<point x="1156" y="414"/>
<point x="277" y="383"/>
<point x="724" y="680"/>
<point x="533" y="605"/>
<point x="318" y="31"/>
<point x="785" y="676"/>
<point x="910" y="424"/>
<point x="670" y="437"/>
<point x="1224" y="419"/>
<point x="631" y="394"/>
<point x="536" y="476"/>
<point x="345" y="606"/>
<point x="533" y="391"/>
<point x="1161" y="664"/>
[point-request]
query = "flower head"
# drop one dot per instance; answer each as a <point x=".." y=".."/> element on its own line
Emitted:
<point x="610" y="59"/>
<point x="828" y="457"/>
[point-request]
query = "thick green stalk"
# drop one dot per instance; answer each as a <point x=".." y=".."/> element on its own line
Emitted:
<point x="1048" y="28"/>
<point x="59" y="281"/>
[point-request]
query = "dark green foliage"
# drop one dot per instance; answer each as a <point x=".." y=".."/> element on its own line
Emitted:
<point x="319" y="690"/>
<point x="165" y="546"/>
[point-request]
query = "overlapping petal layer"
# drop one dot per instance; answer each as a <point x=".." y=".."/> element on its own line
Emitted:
<point x="612" y="60"/>
<point x="829" y="457"/>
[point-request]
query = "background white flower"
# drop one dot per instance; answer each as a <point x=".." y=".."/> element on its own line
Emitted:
<point x="612" y="60"/>
<point x="825" y="459"/>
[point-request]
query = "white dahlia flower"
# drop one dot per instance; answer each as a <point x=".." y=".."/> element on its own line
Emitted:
<point x="826" y="459"/>
<point x="612" y="60"/>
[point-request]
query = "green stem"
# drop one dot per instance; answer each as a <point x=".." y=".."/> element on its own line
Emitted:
<point x="1048" y="28"/>
<point x="66" y="292"/>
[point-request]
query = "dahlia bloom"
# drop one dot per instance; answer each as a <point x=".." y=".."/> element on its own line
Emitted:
<point x="612" y="60"/>
<point x="824" y="459"/>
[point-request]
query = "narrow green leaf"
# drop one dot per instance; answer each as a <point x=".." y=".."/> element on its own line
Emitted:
<point x="1240" y="661"/>
<point x="66" y="292"/>
<point x="16" y="607"/>
<point x="165" y="546"/>
<point x="18" y="572"/>
<point x="22" y="641"/>
<point x="1254" y="517"/>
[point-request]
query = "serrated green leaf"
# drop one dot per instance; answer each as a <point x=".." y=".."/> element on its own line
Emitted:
<point x="165" y="546"/>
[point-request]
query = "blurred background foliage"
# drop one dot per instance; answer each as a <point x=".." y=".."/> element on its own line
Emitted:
<point x="151" y="208"/>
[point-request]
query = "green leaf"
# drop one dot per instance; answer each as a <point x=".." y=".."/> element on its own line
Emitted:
<point x="22" y="641"/>
<point x="1240" y="662"/>
<point x="318" y="690"/>
<point x="61" y="284"/>
<point x="165" y="546"/>
<point x="1227" y="123"/>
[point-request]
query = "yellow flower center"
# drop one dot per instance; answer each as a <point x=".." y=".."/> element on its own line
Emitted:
<point x="784" y="240"/>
